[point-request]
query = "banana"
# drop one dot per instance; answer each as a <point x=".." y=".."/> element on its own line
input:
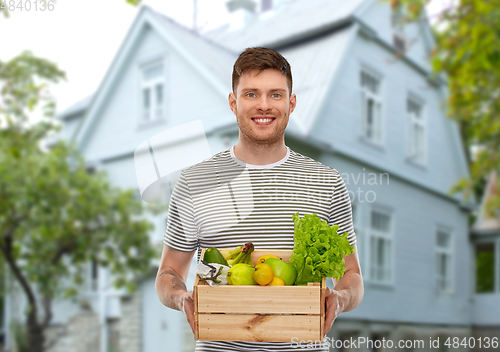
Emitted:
<point x="244" y="255"/>
<point x="249" y="260"/>
<point x="229" y="254"/>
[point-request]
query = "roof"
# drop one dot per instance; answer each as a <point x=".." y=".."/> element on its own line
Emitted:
<point x="314" y="66"/>
<point x="216" y="58"/>
<point x="485" y="223"/>
<point x="75" y="109"/>
<point x="288" y="25"/>
<point x="311" y="84"/>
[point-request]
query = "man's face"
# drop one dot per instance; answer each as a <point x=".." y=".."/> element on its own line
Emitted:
<point x="262" y="104"/>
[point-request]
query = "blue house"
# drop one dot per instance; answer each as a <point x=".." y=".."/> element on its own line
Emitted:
<point x="367" y="105"/>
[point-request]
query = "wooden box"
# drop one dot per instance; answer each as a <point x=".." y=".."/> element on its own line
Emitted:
<point x="259" y="313"/>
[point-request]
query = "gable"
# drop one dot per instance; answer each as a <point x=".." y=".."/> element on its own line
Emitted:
<point x="315" y="64"/>
<point x="484" y="223"/>
<point x="339" y="122"/>
<point x="377" y="15"/>
<point x="149" y="27"/>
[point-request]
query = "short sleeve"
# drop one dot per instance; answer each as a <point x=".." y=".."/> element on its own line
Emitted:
<point x="340" y="209"/>
<point x="181" y="233"/>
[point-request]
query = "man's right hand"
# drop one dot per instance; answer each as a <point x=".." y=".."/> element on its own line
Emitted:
<point x="170" y="282"/>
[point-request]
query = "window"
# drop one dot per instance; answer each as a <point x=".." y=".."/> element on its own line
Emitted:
<point x="380" y="253"/>
<point x="416" y="140"/>
<point x="92" y="281"/>
<point x="371" y="107"/>
<point x="152" y="92"/>
<point x="444" y="261"/>
<point x="485" y="268"/>
<point x="376" y="342"/>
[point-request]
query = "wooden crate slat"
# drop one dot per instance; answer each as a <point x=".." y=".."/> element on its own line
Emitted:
<point x="251" y="327"/>
<point x="259" y="299"/>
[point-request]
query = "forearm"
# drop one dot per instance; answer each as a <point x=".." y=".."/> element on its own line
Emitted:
<point x="170" y="287"/>
<point x="351" y="290"/>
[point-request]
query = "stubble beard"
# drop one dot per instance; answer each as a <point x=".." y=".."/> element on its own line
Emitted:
<point x="276" y="137"/>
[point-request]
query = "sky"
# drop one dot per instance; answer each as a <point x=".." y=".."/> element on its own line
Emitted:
<point x="82" y="37"/>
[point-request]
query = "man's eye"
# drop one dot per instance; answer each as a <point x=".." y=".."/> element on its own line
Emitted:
<point x="276" y="95"/>
<point x="251" y="95"/>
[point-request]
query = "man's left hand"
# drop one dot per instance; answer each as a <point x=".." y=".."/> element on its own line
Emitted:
<point x="334" y="306"/>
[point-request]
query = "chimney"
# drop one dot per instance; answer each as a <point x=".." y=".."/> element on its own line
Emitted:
<point x="269" y="8"/>
<point x="242" y="12"/>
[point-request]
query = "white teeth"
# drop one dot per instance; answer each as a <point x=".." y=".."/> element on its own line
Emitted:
<point x="263" y="120"/>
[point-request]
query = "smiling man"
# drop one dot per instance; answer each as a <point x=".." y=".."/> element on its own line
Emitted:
<point x="262" y="102"/>
<point x="249" y="193"/>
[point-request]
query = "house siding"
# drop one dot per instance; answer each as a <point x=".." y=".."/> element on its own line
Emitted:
<point x="416" y="215"/>
<point x="339" y="121"/>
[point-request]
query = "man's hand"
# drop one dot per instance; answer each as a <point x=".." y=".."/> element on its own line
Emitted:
<point x="171" y="282"/>
<point x="187" y="307"/>
<point x="334" y="306"/>
<point x="348" y="291"/>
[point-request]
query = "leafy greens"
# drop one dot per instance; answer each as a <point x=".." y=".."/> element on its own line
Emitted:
<point x="318" y="250"/>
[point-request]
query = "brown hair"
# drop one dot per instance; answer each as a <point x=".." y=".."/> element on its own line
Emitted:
<point x="261" y="59"/>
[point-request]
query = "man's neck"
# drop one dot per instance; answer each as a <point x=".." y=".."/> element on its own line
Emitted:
<point x="260" y="154"/>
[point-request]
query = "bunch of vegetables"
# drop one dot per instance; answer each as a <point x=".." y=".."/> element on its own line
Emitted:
<point x="318" y="250"/>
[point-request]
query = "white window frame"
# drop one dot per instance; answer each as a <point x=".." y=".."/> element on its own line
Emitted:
<point x="372" y="133"/>
<point x="448" y="251"/>
<point x="157" y="111"/>
<point x="416" y="149"/>
<point x="388" y="238"/>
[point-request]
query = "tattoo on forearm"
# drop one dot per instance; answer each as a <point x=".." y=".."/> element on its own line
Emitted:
<point x="176" y="281"/>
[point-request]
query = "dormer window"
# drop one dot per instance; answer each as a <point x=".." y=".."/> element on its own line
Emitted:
<point x="152" y="92"/>
<point x="398" y="34"/>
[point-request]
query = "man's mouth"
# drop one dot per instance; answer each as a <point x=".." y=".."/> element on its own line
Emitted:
<point x="263" y="120"/>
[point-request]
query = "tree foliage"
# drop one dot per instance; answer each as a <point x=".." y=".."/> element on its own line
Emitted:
<point x="55" y="216"/>
<point x="467" y="52"/>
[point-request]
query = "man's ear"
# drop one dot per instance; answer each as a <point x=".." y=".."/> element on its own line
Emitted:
<point x="232" y="102"/>
<point x="293" y="102"/>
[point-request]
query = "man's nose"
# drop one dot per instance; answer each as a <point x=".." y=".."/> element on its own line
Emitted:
<point x="263" y="103"/>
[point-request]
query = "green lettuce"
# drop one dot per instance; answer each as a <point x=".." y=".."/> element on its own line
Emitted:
<point x="318" y="250"/>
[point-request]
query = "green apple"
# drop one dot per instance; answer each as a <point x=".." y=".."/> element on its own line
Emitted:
<point x="241" y="274"/>
<point x="283" y="270"/>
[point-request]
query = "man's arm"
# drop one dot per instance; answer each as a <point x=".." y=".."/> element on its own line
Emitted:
<point x="170" y="282"/>
<point x="348" y="291"/>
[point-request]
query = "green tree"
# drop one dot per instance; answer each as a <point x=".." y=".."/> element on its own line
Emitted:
<point x="467" y="52"/>
<point x="55" y="217"/>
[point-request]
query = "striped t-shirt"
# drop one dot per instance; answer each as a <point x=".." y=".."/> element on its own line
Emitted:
<point x="224" y="202"/>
